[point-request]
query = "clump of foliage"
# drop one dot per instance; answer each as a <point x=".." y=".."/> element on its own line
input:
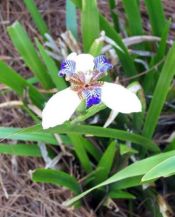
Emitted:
<point x="114" y="162"/>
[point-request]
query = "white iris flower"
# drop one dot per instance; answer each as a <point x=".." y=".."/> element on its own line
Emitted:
<point x="83" y="71"/>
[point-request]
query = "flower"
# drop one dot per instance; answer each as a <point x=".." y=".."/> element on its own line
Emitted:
<point x="83" y="71"/>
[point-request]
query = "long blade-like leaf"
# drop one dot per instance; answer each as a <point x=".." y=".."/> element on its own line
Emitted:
<point x="105" y="164"/>
<point x="30" y="150"/>
<point x="12" y="79"/>
<point x="27" y="51"/>
<point x="164" y="169"/>
<point x="56" y="177"/>
<point x="134" y="17"/>
<point x="135" y="169"/>
<point x="125" y="58"/>
<point x="37" y="18"/>
<point x="99" y="132"/>
<point x="89" y="23"/>
<point x="156" y="15"/>
<point x="19" y="134"/>
<point x="51" y="67"/>
<point x="160" y="94"/>
<point x="71" y="18"/>
<point x="108" y="133"/>
<point x="79" y="147"/>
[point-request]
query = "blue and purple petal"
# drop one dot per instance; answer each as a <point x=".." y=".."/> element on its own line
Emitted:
<point x="67" y="68"/>
<point x="102" y="64"/>
<point x="92" y="96"/>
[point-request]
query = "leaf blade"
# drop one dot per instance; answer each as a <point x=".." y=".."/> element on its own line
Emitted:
<point x="20" y="134"/>
<point x="71" y="18"/>
<point x="17" y="83"/>
<point x="156" y="15"/>
<point x="163" y="169"/>
<point x="37" y="18"/>
<point x="51" y="67"/>
<point x="56" y="177"/>
<point x="103" y="169"/>
<point x="160" y="94"/>
<point x="89" y="12"/>
<point x="24" y="150"/>
<point x="27" y="51"/>
<point x="135" y="169"/>
<point x="78" y="144"/>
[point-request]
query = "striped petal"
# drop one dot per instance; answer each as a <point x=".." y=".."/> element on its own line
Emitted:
<point x="102" y="64"/>
<point x="92" y="96"/>
<point x="119" y="99"/>
<point x="67" y="68"/>
<point x="60" y="108"/>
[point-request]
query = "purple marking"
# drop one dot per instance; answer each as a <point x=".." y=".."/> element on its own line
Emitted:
<point x="67" y="68"/>
<point x="102" y="64"/>
<point x="92" y="101"/>
<point x="92" y="97"/>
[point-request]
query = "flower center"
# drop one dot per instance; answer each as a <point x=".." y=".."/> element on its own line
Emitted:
<point x="78" y="83"/>
<point x="90" y="91"/>
<point x="85" y="82"/>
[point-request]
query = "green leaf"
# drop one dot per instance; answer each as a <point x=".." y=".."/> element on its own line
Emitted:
<point x="91" y="149"/>
<point x="115" y="19"/>
<point x="96" y="47"/>
<point x="71" y="18"/>
<point x="27" y="51"/>
<point x="105" y="164"/>
<point x="17" y="83"/>
<point x="151" y="78"/>
<point x="78" y="3"/>
<point x="136" y="169"/>
<point x="30" y="150"/>
<point x="20" y="134"/>
<point x="99" y="132"/>
<point x="56" y="177"/>
<point x="124" y="149"/>
<point x="126" y="60"/>
<point x="51" y="67"/>
<point x="124" y="56"/>
<point x="12" y="79"/>
<point x="156" y="15"/>
<point x="90" y="30"/>
<point x="163" y="44"/>
<point x="106" y="133"/>
<point x="126" y="183"/>
<point x="160" y="94"/>
<point x="118" y="194"/>
<point x="79" y="147"/>
<point x="37" y="18"/>
<point x="134" y="17"/>
<point x="164" y="169"/>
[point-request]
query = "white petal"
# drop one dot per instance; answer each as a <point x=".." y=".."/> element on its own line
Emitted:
<point x="72" y="56"/>
<point x="60" y="108"/>
<point x="112" y="116"/>
<point x="120" y="99"/>
<point x="84" y="63"/>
